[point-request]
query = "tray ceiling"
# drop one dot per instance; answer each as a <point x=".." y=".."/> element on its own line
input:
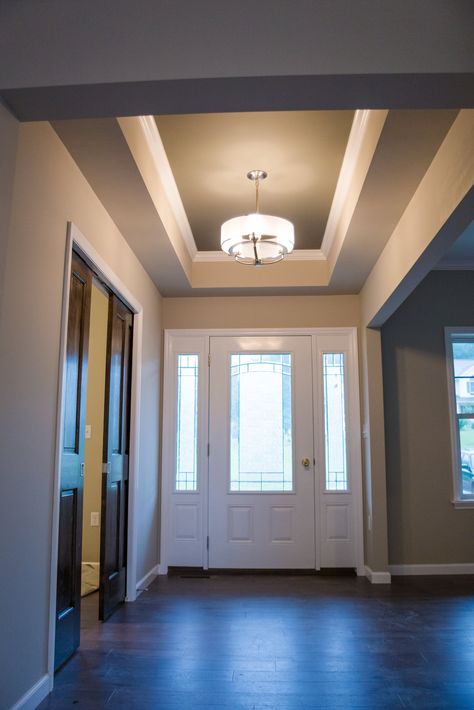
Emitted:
<point x="210" y="155"/>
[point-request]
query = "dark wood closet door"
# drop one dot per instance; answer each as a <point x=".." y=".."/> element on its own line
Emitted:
<point x="68" y="599"/>
<point x="113" y="547"/>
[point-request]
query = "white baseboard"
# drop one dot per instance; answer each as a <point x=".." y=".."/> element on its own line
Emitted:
<point x="407" y="570"/>
<point x="34" y="696"/>
<point x="162" y="569"/>
<point x="377" y="577"/>
<point x="148" y="578"/>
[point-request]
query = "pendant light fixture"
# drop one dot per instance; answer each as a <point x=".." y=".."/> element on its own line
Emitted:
<point x="256" y="238"/>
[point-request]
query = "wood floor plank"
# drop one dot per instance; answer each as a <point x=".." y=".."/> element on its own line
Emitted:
<point x="266" y="642"/>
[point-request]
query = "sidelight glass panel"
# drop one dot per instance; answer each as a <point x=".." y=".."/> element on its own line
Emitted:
<point x="261" y="449"/>
<point x="187" y="412"/>
<point x="463" y="367"/>
<point x="335" y="422"/>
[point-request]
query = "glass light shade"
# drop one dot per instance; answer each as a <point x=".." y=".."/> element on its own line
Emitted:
<point x="257" y="238"/>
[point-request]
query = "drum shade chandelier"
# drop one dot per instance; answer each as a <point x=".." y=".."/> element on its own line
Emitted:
<point x="256" y="238"/>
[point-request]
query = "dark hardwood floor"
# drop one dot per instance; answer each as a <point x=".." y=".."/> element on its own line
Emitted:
<point x="267" y="642"/>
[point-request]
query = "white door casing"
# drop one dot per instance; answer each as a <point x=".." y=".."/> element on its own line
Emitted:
<point x="188" y="531"/>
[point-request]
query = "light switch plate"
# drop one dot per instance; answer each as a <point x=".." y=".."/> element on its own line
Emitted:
<point x="95" y="520"/>
<point x="88" y="431"/>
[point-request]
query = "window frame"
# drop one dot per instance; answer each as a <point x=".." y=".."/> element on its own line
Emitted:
<point x="326" y="488"/>
<point x="460" y="499"/>
<point x="292" y="490"/>
<point x="179" y="355"/>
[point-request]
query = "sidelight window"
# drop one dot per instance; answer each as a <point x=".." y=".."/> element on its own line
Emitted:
<point x="460" y="355"/>
<point x="335" y="452"/>
<point x="186" y="425"/>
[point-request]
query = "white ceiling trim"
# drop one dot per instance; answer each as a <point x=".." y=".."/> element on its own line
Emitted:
<point x="297" y="255"/>
<point x="158" y="153"/>
<point x="350" y="163"/>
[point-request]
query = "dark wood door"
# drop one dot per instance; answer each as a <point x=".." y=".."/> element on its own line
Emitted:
<point x="113" y="539"/>
<point x="68" y="596"/>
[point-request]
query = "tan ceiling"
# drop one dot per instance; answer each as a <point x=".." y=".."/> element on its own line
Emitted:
<point x="210" y="155"/>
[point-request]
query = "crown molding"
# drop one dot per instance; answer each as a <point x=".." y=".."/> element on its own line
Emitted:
<point x="158" y="153"/>
<point x="355" y="144"/>
<point x="208" y="257"/>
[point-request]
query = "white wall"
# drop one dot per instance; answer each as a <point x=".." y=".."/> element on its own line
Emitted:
<point x="48" y="191"/>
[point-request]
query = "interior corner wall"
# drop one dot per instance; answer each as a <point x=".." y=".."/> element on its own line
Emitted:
<point x="48" y="191"/>
<point x="373" y="451"/>
<point x="8" y="145"/>
<point x="424" y="527"/>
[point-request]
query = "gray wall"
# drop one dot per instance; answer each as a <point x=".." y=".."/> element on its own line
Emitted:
<point x="8" y="143"/>
<point x="424" y="527"/>
<point x="189" y="39"/>
<point x="48" y="191"/>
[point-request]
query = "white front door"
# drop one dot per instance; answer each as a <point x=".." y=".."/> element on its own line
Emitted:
<point x="261" y="472"/>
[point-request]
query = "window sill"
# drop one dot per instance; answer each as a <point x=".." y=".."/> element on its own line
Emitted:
<point x="459" y="504"/>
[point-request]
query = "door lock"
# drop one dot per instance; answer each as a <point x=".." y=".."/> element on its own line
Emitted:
<point x="306" y="462"/>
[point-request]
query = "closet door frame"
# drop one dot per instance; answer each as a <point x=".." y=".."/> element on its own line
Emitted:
<point x="76" y="241"/>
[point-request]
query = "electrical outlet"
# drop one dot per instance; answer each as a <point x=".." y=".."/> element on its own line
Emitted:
<point x="95" y="520"/>
<point x="88" y="431"/>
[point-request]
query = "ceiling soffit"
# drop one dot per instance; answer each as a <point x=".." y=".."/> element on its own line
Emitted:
<point x="383" y="162"/>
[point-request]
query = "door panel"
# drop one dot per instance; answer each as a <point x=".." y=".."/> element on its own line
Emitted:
<point x="68" y="600"/>
<point x="261" y="495"/>
<point x="113" y="552"/>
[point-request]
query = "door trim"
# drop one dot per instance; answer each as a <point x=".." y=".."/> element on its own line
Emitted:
<point x="354" y="429"/>
<point x="75" y="239"/>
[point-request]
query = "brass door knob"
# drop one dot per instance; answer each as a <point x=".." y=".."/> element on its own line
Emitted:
<point x="306" y="462"/>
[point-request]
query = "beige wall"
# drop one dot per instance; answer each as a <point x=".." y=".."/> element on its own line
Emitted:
<point x="48" y="191"/>
<point x="373" y="451"/>
<point x="95" y="419"/>
<point x="439" y="211"/>
<point x="424" y="527"/>
<point x="261" y="312"/>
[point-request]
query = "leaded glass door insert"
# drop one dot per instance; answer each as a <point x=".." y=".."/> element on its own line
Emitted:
<point x="261" y="451"/>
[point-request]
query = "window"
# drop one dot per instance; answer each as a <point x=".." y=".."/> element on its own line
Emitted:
<point x="335" y="453"/>
<point x="186" y="424"/>
<point x="261" y="450"/>
<point x="460" y="351"/>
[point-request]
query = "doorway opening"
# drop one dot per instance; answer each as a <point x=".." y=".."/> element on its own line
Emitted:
<point x="94" y="441"/>
<point x="93" y="454"/>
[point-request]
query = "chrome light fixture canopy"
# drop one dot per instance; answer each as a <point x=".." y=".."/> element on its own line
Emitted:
<point x="256" y="238"/>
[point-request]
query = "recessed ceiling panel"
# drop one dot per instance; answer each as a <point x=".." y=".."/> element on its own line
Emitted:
<point x="210" y="155"/>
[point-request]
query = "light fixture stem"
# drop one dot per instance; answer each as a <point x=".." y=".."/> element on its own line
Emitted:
<point x="257" y="184"/>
